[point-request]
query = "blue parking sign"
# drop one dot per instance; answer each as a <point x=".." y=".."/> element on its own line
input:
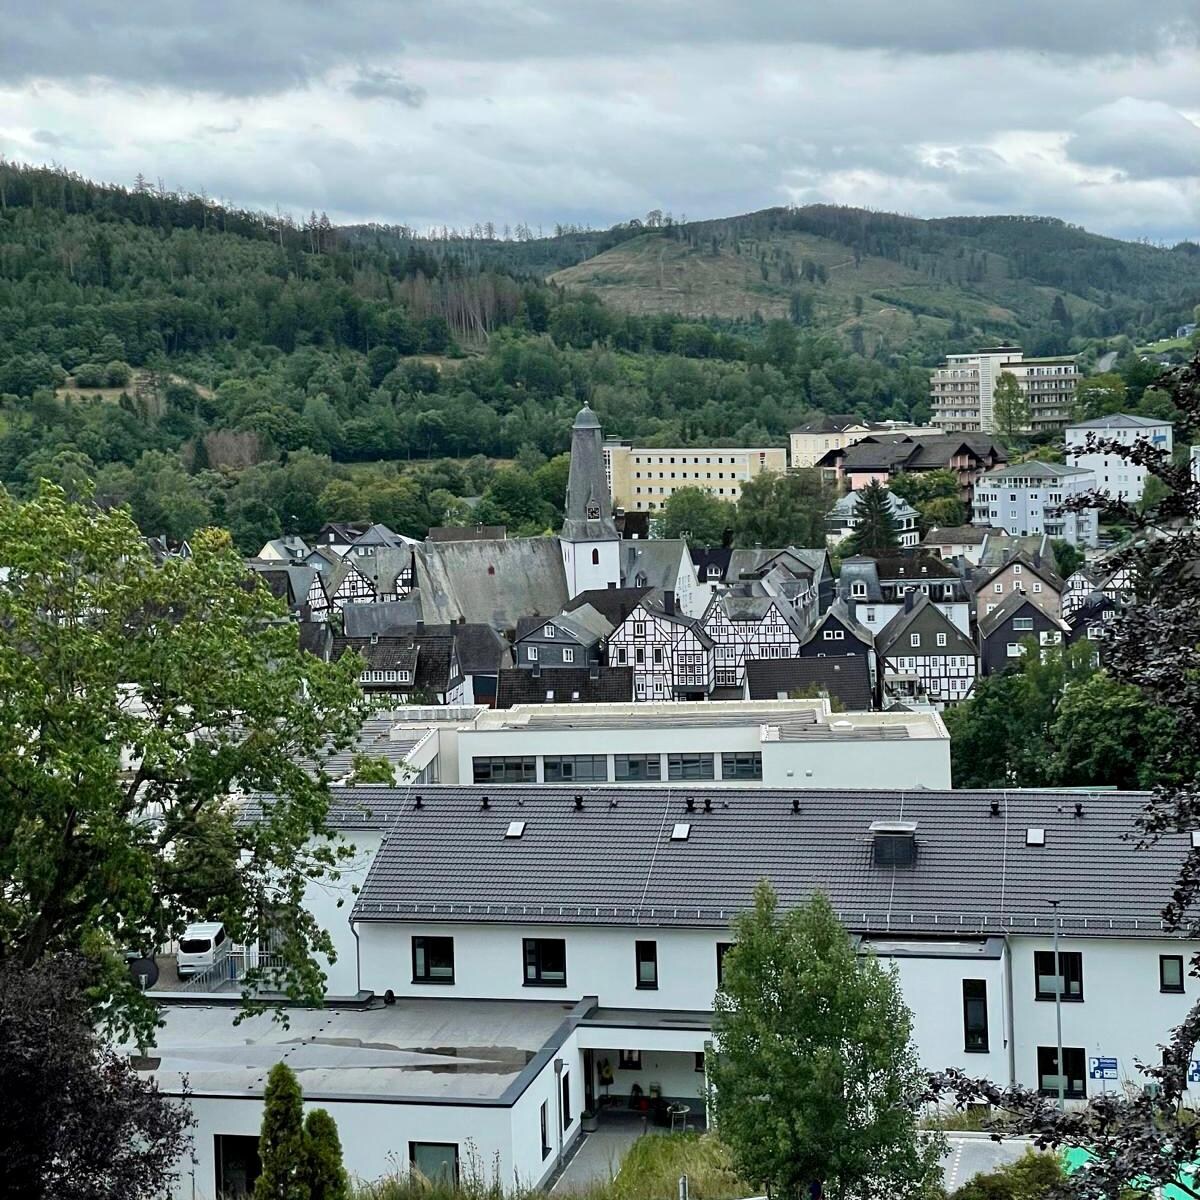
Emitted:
<point x="1194" y="1071"/>
<point x="1102" y="1068"/>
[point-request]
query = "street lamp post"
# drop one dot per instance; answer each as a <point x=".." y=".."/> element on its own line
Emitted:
<point x="1062" y="1074"/>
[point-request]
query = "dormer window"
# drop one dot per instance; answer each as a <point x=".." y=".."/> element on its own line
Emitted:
<point x="406" y="677"/>
<point x="858" y="590"/>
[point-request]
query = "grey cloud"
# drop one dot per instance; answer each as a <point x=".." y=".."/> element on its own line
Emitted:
<point x="1142" y="139"/>
<point x="386" y="85"/>
<point x="233" y="48"/>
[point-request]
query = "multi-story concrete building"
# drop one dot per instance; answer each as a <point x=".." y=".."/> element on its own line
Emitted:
<point x="1117" y="477"/>
<point x="1028" y="498"/>
<point x="515" y="958"/>
<point x="814" y="439"/>
<point x="963" y="389"/>
<point x="644" y="478"/>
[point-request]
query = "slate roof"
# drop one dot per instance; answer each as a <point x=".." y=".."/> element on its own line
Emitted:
<point x="382" y="616"/>
<point x="860" y="569"/>
<point x="613" y="604"/>
<point x="1029" y="470"/>
<point x="890" y="637"/>
<point x="832" y="423"/>
<point x="999" y="548"/>
<point x="1118" y="421"/>
<point x="914" y="566"/>
<point x="716" y="556"/>
<point x="658" y="560"/>
<point x="1009" y="607"/>
<point x="428" y="657"/>
<point x="479" y="648"/>
<point x="845" y="678"/>
<point x="467" y="533"/>
<point x="839" y="610"/>
<point x="287" y="581"/>
<point x="570" y="685"/>
<point x="966" y="535"/>
<point x="491" y="582"/>
<point x="584" y="624"/>
<point x="614" y="860"/>
<point x="987" y="572"/>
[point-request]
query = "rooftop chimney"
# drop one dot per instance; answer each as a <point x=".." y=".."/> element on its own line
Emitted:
<point x="910" y="598"/>
<point x="669" y="603"/>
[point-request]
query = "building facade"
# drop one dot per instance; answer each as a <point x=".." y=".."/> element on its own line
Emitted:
<point x="1028" y="499"/>
<point x="810" y="442"/>
<point x="591" y="546"/>
<point x="1117" y="477"/>
<point x="924" y="658"/>
<point x="962" y="389"/>
<point x="641" y="478"/>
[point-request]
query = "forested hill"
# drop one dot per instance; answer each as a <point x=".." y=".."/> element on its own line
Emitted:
<point x="207" y="365"/>
<point x="879" y="279"/>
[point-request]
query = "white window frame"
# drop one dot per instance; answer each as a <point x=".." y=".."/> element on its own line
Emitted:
<point x="533" y="653"/>
<point x="914" y="639"/>
<point x="941" y="639"/>
<point x="568" y="654"/>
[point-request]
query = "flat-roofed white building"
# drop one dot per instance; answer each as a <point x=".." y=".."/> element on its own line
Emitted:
<point x="772" y="743"/>
<point x="1028" y="498"/>
<point x="962" y="389"/>
<point x="1117" y="477"/>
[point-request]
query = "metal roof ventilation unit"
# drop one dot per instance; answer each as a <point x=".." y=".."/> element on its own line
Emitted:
<point x="515" y="829"/>
<point x="894" y="843"/>
<point x="680" y="831"/>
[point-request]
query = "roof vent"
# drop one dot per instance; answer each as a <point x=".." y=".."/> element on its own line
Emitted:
<point x="708" y="804"/>
<point x="995" y="808"/>
<point x="419" y="803"/>
<point x="484" y="804"/>
<point x="894" y="843"/>
<point x="1079" y="808"/>
<point x="1035" y="837"/>
<point x="795" y="804"/>
<point x="680" y="831"/>
<point x="515" y="829"/>
<point x="579" y="804"/>
<point x="1196" y="839"/>
<point x="690" y="804"/>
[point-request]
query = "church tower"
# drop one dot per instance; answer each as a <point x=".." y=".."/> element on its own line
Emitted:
<point x="591" y="548"/>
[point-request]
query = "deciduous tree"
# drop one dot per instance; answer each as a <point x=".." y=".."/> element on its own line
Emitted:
<point x="816" y="1081"/>
<point x="134" y="700"/>
<point x="694" y="514"/>
<point x="1010" y="409"/>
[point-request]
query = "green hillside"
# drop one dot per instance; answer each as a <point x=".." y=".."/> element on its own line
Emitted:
<point x="880" y="279"/>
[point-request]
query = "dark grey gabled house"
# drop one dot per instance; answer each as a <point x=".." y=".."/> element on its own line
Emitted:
<point x="839" y="634"/>
<point x="1003" y="632"/>
<point x="572" y="640"/>
<point x="924" y="658"/>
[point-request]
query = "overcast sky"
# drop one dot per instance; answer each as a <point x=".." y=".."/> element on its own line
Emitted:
<point x="545" y="111"/>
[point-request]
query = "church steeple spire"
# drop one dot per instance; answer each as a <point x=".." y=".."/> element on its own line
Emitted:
<point x="589" y="505"/>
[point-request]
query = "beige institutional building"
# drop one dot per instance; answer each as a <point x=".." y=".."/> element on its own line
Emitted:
<point x="962" y="390"/>
<point x="643" y="479"/>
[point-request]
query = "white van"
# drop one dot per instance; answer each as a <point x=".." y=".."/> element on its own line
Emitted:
<point x="200" y="946"/>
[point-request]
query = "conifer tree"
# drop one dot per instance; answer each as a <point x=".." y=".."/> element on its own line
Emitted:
<point x="281" y="1140"/>
<point x="324" y="1173"/>
<point x="877" y="531"/>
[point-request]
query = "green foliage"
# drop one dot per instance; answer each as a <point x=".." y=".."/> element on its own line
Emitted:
<point x="1010" y="409"/>
<point x="1055" y="720"/>
<point x="877" y="531"/>
<point x="652" y="1168"/>
<point x="936" y="495"/>
<point x="282" y="1149"/>
<point x="365" y="769"/>
<point x="323" y="1170"/>
<point x="702" y="518"/>
<point x="783" y="510"/>
<point x="1067" y="557"/>
<point x="1099" y="396"/>
<point x="1034" y="1176"/>
<point x="98" y="653"/>
<point x="816" y="1081"/>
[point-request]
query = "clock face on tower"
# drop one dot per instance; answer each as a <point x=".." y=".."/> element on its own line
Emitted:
<point x="593" y="512"/>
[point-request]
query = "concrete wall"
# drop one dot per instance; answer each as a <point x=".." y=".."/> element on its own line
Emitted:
<point x="321" y="899"/>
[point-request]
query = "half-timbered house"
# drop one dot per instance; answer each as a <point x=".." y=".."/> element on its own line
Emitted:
<point x="924" y="658"/>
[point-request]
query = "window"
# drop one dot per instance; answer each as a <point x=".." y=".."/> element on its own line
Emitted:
<point x="237" y="1163"/>
<point x="941" y="639"/>
<point x="1170" y="972"/>
<point x="975" y="1016"/>
<point x="629" y="1060"/>
<point x="997" y="588"/>
<point x="646" y="958"/>
<point x="699" y="1063"/>
<point x="1016" y="568"/>
<point x="689" y="766"/>
<point x="545" y="962"/>
<point x="628" y="767"/>
<point x="571" y="768"/>
<point x="595" y="558"/>
<point x="533" y="654"/>
<point x="746" y="765"/>
<point x="1022" y="624"/>
<point x="622" y="656"/>
<point x="568" y="654"/>
<point x="639" y="627"/>
<point x="436" y="1161"/>
<point x="914" y="639"/>
<point x="548" y="630"/>
<point x="1014" y="650"/>
<point x="566" y="1100"/>
<point x="511" y="769"/>
<point x="722" y="950"/>
<point x="1070" y="965"/>
<point x="433" y="959"/>
<point x="1037" y="587"/>
<point x="639" y="655"/>
<point x="658" y="657"/>
<point x="1075" y="1086"/>
<point x="544" y="1117"/>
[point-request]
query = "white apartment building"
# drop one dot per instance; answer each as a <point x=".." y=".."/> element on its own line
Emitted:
<point x="1027" y="498"/>
<point x="643" y="479"/>
<point x="1117" y="477"/>
<point x="962" y="389"/>
<point x="522" y="957"/>
<point x="767" y="743"/>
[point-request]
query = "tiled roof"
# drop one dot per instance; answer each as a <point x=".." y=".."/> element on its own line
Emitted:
<point x="428" y="657"/>
<point x="614" y="604"/>
<point x="889" y="637"/>
<point x="966" y="535"/>
<point x="1009" y="607"/>
<point x="467" y="533"/>
<point x="568" y="685"/>
<point x="1118" y="421"/>
<point x="845" y="678"/>
<point x="614" y="861"/>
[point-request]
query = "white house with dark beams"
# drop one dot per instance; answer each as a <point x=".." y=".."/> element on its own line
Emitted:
<point x="670" y="653"/>
<point x="924" y="658"/>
